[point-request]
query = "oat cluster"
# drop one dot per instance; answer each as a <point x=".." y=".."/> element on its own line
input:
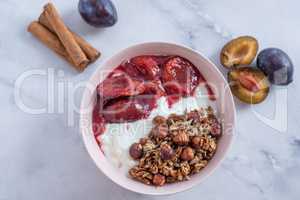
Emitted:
<point x="176" y="147"/>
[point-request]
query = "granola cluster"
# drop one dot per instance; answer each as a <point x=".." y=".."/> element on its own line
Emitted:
<point x="177" y="147"/>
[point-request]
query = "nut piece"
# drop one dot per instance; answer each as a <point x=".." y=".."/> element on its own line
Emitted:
<point x="143" y="141"/>
<point x="159" y="180"/>
<point x="216" y="128"/>
<point x="148" y="146"/>
<point x="175" y="118"/>
<point x="196" y="142"/>
<point x="160" y="131"/>
<point x="193" y="115"/>
<point x="166" y="152"/>
<point x="181" y="138"/>
<point x="187" y="154"/>
<point x="159" y="120"/>
<point x="136" y="151"/>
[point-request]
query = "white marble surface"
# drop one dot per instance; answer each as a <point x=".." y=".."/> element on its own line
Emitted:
<point x="43" y="157"/>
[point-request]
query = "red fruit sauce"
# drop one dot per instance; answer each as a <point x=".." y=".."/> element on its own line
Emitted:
<point x="130" y="92"/>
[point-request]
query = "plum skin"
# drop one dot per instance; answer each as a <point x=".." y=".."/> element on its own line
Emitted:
<point x="277" y="65"/>
<point x="98" y="13"/>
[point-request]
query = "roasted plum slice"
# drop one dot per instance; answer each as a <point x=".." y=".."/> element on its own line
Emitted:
<point x="98" y="121"/>
<point x="155" y="88"/>
<point x="130" y="70"/>
<point x="249" y="84"/>
<point x="147" y="65"/>
<point x="119" y="84"/>
<point x="180" y="77"/>
<point x="239" y="51"/>
<point x="129" y="109"/>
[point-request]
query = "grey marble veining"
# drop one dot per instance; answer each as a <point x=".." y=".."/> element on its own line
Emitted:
<point x="42" y="156"/>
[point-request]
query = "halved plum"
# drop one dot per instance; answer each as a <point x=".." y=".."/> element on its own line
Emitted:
<point x="239" y="51"/>
<point x="249" y="84"/>
<point x="179" y="77"/>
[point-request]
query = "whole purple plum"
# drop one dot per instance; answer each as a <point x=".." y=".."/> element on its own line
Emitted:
<point x="98" y="13"/>
<point x="277" y="65"/>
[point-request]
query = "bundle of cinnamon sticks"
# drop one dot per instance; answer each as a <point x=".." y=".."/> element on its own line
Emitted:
<point x="51" y="30"/>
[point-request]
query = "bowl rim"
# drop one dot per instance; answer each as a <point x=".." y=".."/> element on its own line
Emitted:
<point x="86" y="139"/>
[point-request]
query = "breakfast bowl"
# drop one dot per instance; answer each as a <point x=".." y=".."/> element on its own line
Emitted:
<point x="224" y="106"/>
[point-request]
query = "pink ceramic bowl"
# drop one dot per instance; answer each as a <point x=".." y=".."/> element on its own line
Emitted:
<point x="225" y="108"/>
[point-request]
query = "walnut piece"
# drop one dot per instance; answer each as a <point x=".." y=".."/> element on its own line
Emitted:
<point x="159" y="120"/>
<point x="159" y="180"/>
<point x="181" y="138"/>
<point x="160" y="131"/>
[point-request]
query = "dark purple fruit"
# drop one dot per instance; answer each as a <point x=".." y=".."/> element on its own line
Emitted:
<point x="277" y="65"/>
<point x="98" y="13"/>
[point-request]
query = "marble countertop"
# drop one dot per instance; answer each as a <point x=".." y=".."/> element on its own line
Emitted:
<point x="42" y="155"/>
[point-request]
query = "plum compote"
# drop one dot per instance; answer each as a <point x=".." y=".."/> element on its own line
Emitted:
<point x="130" y="92"/>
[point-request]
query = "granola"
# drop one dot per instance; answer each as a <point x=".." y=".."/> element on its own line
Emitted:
<point x="177" y="147"/>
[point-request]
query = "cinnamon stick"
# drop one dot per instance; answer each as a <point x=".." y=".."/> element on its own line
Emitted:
<point x="66" y="37"/>
<point x="49" y="39"/>
<point x="90" y="51"/>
